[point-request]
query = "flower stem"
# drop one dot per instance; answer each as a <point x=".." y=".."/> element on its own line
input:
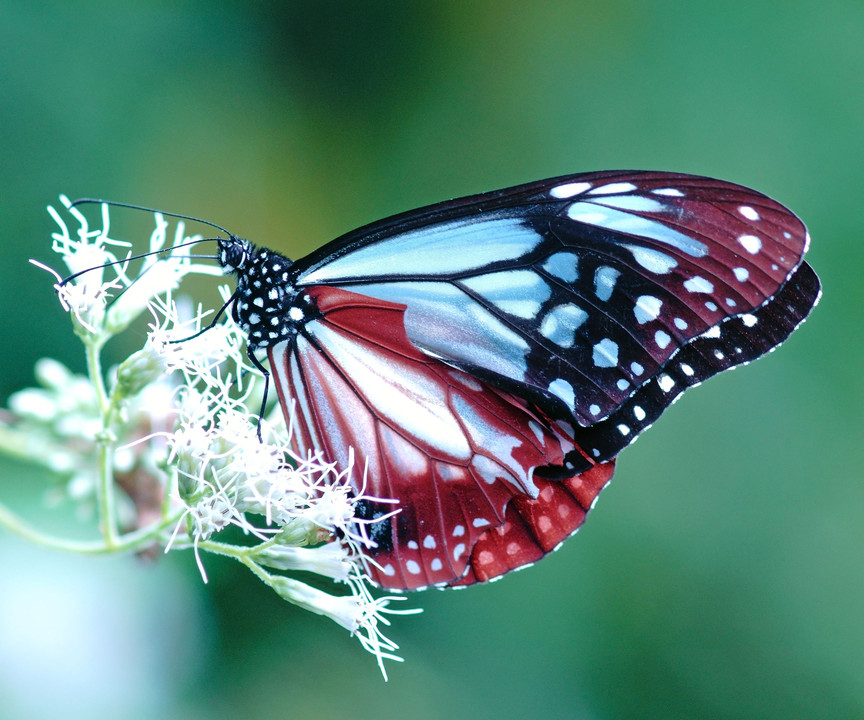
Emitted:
<point x="131" y="542"/>
<point x="105" y="485"/>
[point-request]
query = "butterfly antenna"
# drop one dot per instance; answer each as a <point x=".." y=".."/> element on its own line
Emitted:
<point x="144" y="255"/>
<point x="114" y="203"/>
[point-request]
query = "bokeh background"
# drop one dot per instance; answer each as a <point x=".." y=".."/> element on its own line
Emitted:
<point x="721" y="574"/>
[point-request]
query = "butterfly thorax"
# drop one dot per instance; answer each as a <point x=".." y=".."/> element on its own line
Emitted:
<point x="267" y="306"/>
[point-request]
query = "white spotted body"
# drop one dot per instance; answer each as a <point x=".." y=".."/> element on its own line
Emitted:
<point x="265" y="304"/>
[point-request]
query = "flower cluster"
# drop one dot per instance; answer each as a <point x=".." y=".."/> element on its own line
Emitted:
<point x="165" y="450"/>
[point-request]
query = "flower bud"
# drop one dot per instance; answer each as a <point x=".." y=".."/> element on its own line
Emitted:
<point x="139" y="370"/>
<point x="331" y="560"/>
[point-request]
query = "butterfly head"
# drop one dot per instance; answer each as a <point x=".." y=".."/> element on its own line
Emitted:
<point x="235" y="253"/>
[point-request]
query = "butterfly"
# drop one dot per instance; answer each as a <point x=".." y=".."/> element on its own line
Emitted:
<point x="487" y="358"/>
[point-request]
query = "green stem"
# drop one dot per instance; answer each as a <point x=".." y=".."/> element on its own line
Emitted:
<point x="130" y="542"/>
<point x="241" y="554"/>
<point x="105" y="486"/>
<point x="94" y="369"/>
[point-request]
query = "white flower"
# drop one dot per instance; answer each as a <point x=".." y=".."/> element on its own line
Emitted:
<point x="96" y="273"/>
<point x="160" y="273"/>
<point x="178" y="427"/>
<point x="359" y="613"/>
<point x="333" y="559"/>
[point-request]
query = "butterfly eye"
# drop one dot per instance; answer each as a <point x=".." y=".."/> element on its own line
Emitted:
<point x="233" y="253"/>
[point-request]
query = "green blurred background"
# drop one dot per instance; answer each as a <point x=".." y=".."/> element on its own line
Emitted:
<point x="721" y="574"/>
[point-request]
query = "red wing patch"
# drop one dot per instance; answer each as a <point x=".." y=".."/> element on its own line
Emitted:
<point x="534" y="527"/>
<point x="457" y="454"/>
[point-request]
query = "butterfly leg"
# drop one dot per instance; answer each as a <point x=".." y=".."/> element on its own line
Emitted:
<point x="266" y="373"/>
<point x="212" y="324"/>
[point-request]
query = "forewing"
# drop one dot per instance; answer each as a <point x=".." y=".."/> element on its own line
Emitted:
<point x="575" y="292"/>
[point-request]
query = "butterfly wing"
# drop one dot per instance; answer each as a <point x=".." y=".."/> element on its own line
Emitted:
<point x="577" y="292"/>
<point x="488" y="357"/>
<point x="451" y="450"/>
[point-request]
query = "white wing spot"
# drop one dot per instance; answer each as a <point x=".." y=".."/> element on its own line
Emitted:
<point x="687" y="370"/>
<point x="711" y="306"/>
<point x="613" y="188"/>
<point x="605" y="353"/>
<point x="459" y="531"/>
<point x="730" y="302"/>
<point x="594" y="410"/>
<point x="604" y="281"/>
<point x="563" y="265"/>
<point x="719" y="355"/>
<point x="698" y="284"/>
<point x="652" y="260"/>
<point x="623" y="384"/>
<point x="436" y="564"/>
<point x="412" y="544"/>
<point x="741" y="274"/>
<point x="668" y="192"/>
<point x="680" y="323"/>
<point x="749" y="320"/>
<point x="564" y="390"/>
<point x="480" y="522"/>
<point x="748" y="212"/>
<point x="636" y="368"/>
<point x="429" y="542"/>
<point x="750" y="243"/>
<point x="636" y="203"/>
<point x="561" y="322"/>
<point x="638" y="413"/>
<point x="295" y="314"/>
<point x="458" y="550"/>
<point x="388" y="570"/>
<point x="665" y="382"/>
<point x="623" y="429"/>
<point x="568" y="190"/>
<point x="647" y="308"/>
<point x="712" y="333"/>
<point x="412" y="567"/>
<point x="662" y="339"/>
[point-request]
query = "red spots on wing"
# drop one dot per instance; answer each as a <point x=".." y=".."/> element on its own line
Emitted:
<point x="533" y="527"/>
